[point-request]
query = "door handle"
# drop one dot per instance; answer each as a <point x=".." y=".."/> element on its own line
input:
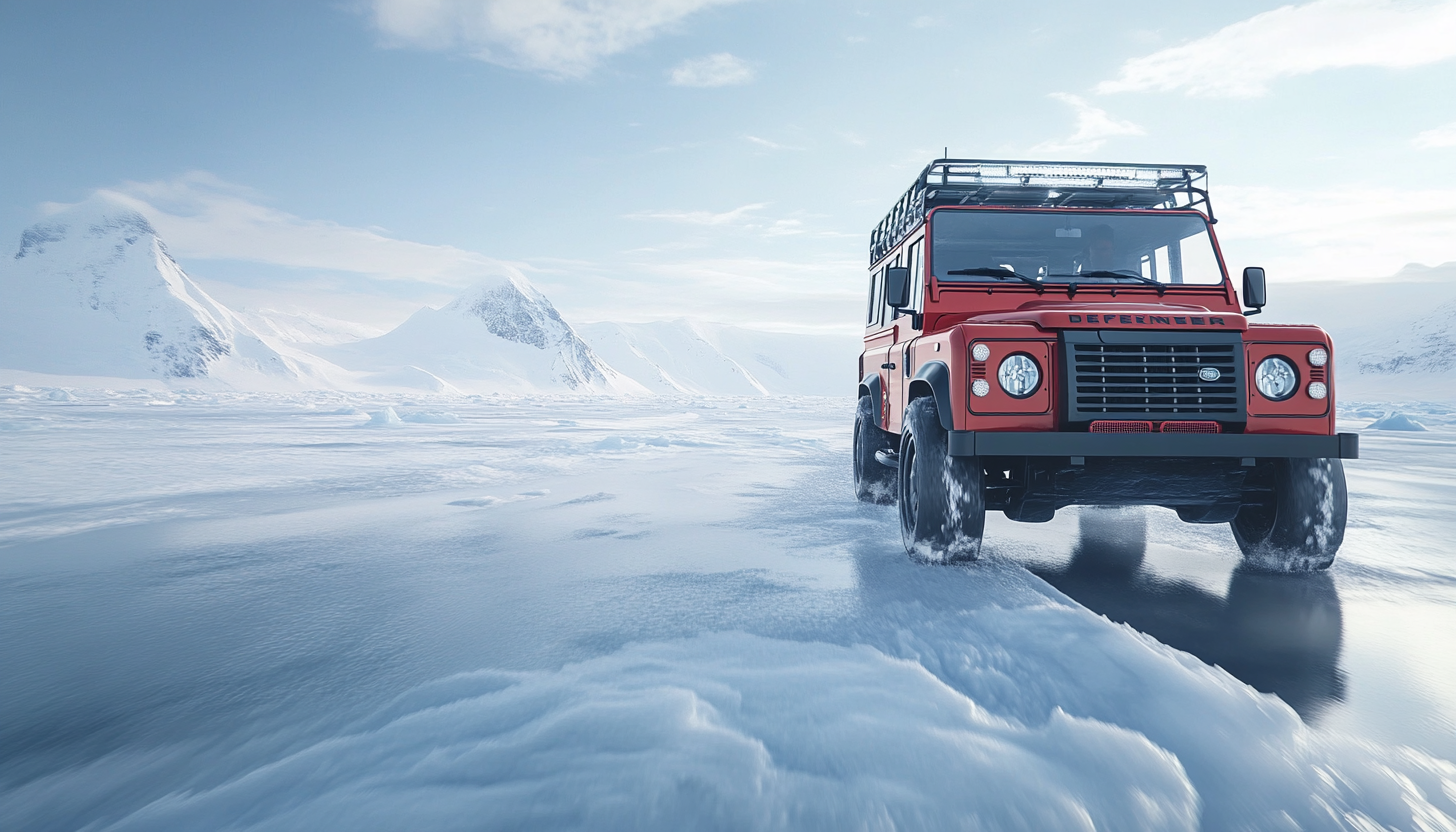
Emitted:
<point x="890" y="366"/>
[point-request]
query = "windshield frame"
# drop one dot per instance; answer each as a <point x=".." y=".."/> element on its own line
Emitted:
<point x="1059" y="282"/>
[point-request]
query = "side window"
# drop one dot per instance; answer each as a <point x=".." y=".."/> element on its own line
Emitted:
<point x="877" y="291"/>
<point x="917" y="277"/>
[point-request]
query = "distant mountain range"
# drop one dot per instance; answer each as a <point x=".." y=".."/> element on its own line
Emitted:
<point x="691" y="357"/>
<point x="92" y="292"/>
<point x="1395" y="337"/>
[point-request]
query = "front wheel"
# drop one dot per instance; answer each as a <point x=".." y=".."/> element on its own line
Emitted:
<point x="942" y="497"/>
<point x="1301" y="525"/>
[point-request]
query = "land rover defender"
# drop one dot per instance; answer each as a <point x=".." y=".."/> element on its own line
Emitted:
<point x="1043" y="334"/>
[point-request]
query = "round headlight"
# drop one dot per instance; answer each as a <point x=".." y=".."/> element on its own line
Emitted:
<point x="1019" y="376"/>
<point x="980" y="352"/>
<point x="981" y="387"/>
<point x="1318" y="357"/>
<point x="1317" y="390"/>
<point x="1276" y="378"/>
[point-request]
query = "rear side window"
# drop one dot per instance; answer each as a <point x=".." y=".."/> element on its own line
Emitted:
<point x="877" y="294"/>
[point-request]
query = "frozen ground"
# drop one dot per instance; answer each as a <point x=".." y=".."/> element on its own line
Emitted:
<point x="304" y="613"/>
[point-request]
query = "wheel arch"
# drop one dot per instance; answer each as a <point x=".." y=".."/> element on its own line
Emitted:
<point x="933" y="379"/>
<point x="871" y="386"/>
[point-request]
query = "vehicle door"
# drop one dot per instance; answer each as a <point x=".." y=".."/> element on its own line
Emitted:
<point x="879" y="339"/>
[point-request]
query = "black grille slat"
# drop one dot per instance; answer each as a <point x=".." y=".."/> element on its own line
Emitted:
<point x="1155" y="379"/>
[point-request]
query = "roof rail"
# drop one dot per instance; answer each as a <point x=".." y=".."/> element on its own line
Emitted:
<point x="1040" y="185"/>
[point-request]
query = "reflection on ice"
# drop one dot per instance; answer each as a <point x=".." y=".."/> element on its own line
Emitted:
<point x="1279" y="634"/>
<point x="249" y="613"/>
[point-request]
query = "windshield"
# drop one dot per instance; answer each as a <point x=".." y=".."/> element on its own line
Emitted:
<point x="1067" y="247"/>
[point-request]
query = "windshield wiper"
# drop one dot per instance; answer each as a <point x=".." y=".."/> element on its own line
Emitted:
<point x="1126" y="273"/>
<point x="1002" y="274"/>
<point x="1161" y="287"/>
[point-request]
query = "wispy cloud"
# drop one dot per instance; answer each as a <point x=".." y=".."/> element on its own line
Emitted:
<point x="744" y="219"/>
<point x="737" y="216"/>
<point x="720" y="70"/>
<point x="1094" y="128"/>
<point x="769" y="145"/>
<point x="1240" y="60"/>
<point x="557" y="38"/>
<point x="1443" y="136"/>
<point x="203" y="217"/>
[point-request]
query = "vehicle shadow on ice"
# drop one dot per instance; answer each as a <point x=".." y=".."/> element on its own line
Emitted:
<point x="1279" y="634"/>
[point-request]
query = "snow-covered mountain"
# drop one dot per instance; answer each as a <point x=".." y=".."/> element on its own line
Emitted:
<point x="700" y="358"/>
<point x="92" y="291"/>
<point x="1395" y="337"/>
<point x="501" y="335"/>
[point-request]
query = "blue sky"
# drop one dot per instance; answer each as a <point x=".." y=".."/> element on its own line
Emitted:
<point x="719" y="159"/>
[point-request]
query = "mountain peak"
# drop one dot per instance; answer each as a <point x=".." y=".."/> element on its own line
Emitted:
<point x="99" y="217"/>
<point x="512" y="309"/>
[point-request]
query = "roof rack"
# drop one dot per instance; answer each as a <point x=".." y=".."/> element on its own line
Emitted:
<point x="1040" y="185"/>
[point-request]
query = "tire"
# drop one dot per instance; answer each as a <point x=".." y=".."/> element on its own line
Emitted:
<point x="874" y="482"/>
<point x="1301" y="528"/>
<point x="942" y="497"/>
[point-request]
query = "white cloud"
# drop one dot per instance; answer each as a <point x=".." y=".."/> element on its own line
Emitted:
<point x="1094" y="128"/>
<point x="1241" y="60"/>
<point x="558" y="38"/>
<point x="1443" y="136"/>
<point x="1337" y="232"/>
<point x="202" y="217"/>
<point x="720" y="70"/>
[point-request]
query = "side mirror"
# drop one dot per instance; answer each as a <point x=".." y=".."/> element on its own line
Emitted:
<point x="1254" y="296"/>
<point x="897" y="287"/>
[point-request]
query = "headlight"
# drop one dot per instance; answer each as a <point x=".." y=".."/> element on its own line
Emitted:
<point x="981" y="387"/>
<point x="1276" y="378"/>
<point x="1318" y="357"/>
<point x="1019" y="376"/>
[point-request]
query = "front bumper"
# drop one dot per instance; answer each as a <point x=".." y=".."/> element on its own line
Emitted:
<point x="1178" y="445"/>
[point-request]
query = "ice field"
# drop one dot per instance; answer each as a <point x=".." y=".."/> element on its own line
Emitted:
<point x="311" y="611"/>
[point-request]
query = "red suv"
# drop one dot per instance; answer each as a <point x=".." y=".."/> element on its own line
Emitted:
<point x="1044" y="334"/>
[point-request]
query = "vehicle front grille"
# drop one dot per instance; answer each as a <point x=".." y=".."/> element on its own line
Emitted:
<point x="1155" y="380"/>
